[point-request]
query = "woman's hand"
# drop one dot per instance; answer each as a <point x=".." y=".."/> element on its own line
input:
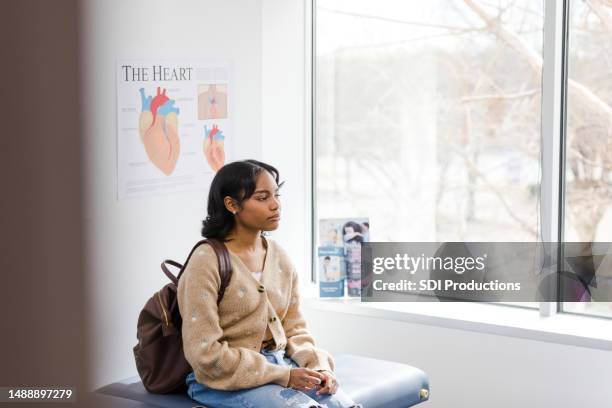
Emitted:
<point x="304" y="379"/>
<point x="330" y="386"/>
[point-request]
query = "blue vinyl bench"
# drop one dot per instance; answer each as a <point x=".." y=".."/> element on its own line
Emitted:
<point x="371" y="382"/>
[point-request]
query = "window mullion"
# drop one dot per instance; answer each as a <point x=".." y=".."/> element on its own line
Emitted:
<point x="551" y="135"/>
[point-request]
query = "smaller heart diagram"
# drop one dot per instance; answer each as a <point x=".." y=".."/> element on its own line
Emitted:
<point x="158" y="130"/>
<point x="214" y="149"/>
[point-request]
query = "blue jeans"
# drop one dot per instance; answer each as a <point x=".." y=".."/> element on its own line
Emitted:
<point x="267" y="395"/>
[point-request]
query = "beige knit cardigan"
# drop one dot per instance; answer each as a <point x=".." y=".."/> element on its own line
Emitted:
<point x="222" y="343"/>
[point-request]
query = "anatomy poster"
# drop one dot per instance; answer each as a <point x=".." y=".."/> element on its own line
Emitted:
<point x="174" y="124"/>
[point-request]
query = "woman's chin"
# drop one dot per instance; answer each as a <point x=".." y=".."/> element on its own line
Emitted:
<point x="271" y="225"/>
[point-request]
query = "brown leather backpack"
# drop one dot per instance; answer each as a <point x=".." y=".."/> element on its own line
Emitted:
<point x="160" y="360"/>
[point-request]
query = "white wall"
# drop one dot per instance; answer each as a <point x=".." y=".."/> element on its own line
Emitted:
<point x="471" y="370"/>
<point x="286" y="139"/>
<point x="127" y="240"/>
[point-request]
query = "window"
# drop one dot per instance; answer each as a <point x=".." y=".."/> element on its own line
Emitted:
<point x="428" y="118"/>
<point x="588" y="170"/>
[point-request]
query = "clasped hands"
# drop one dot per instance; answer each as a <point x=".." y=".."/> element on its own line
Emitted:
<point x="304" y="379"/>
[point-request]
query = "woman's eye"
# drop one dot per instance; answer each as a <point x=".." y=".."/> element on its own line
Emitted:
<point x="265" y="198"/>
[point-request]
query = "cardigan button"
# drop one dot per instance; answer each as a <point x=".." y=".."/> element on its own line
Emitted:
<point x="260" y="289"/>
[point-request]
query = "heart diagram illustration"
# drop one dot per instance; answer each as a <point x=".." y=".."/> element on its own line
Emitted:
<point x="214" y="147"/>
<point x="158" y="129"/>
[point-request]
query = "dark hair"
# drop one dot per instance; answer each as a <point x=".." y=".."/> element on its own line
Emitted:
<point x="237" y="180"/>
<point x="327" y="258"/>
<point x="356" y="227"/>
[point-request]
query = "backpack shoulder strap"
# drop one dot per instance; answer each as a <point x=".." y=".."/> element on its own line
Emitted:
<point x="223" y="257"/>
<point x="225" y="265"/>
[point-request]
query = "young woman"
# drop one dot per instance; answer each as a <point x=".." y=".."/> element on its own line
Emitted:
<point x="253" y="349"/>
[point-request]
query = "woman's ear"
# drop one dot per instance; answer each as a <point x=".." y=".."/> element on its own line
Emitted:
<point x="231" y="205"/>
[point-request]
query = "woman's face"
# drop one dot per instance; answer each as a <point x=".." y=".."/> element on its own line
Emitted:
<point x="261" y="211"/>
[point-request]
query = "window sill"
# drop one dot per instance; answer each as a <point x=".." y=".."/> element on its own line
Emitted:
<point x="567" y="329"/>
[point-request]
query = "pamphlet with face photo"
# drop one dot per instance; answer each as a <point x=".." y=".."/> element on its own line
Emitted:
<point x="339" y="255"/>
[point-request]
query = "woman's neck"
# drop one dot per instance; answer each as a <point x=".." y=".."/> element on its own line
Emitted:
<point x="243" y="239"/>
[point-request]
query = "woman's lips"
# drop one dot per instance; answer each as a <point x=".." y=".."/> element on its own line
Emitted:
<point x="274" y="218"/>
